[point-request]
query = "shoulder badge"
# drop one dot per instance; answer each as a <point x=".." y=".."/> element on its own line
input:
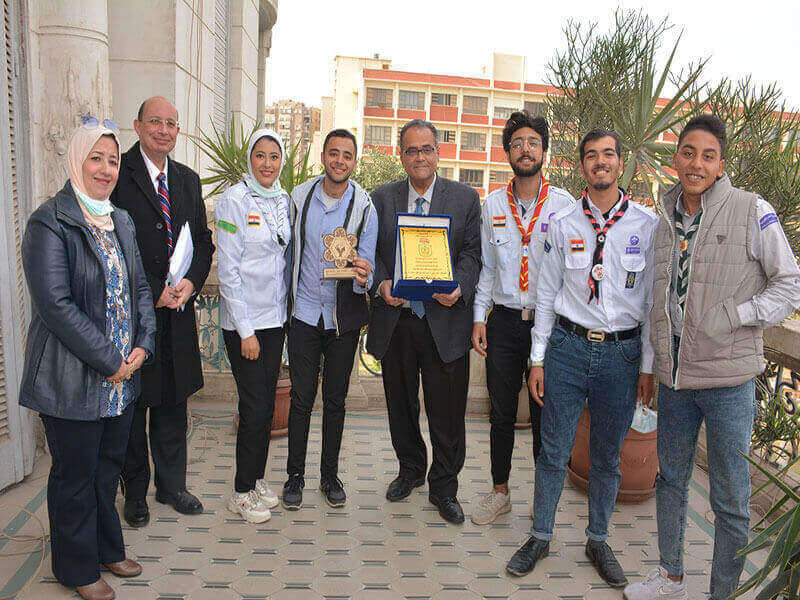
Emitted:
<point x="226" y="226"/>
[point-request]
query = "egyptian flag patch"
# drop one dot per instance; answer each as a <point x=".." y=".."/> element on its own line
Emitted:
<point x="254" y="220"/>
<point x="499" y="221"/>
<point x="577" y="245"/>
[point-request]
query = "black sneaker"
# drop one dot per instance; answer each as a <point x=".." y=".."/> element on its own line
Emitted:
<point x="605" y="562"/>
<point x="293" y="492"/>
<point x="331" y="488"/>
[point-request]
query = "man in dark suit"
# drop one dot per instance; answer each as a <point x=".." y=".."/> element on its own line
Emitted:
<point x="427" y="338"/>
<point x="162" y="195"/>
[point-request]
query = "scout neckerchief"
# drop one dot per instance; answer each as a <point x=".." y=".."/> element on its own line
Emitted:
<point x="526" y="235"/>
<point x="598" y="271"/>
<point x="684" y="259"/>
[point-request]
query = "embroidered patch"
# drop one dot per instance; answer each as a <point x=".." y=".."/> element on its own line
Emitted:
<point x="499" y="221"/>
<point x="633" y="250"/>
<point x="634" y="240"/>
<point x="721" y="239"/>
<point x="546" y="224"/>
<point x="226" y="226"/>
<point x="631" y="279"/>
<point x="767" y="220"/>
<point x="254" y="220"/>
<point x="547" y="246"/>
<point x="577" y="245"/>
<point x="544" y="228"/>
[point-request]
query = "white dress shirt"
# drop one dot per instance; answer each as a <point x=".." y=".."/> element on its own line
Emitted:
<point x="251" y="264"/>
<point x="626" y="291"/>
<point x="769" y="246"/>
<point x="153" y="171"/>
<point x="501" y="250"/>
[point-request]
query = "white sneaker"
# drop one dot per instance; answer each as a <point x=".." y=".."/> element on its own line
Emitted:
<point x="656" y="586"/>
<point x="250" y="506"/>
<point x="491" y="506"/>
<point x="268" y="497"/>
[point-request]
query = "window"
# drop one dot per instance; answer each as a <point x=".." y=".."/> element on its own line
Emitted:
<point x="537" y="109"/>
<point x="447" y="136"/>
<point x="446" y="172"/>
<point x="475" y="105"/>
<point x="497" y="140"/>
<point x="379" y="98"/>
<point x="377" y="135"/>
<point x="411" y="100"/>
<point x="503" y="112"/>
<point x="443" y="99"/>
<point x="471" y="177"/>
<point x="473" y="141"/>
<point x="499" y="176"/>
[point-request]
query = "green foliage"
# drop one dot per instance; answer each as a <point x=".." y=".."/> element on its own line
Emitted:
<point x="228" y="156"/>
<point x="611" y="80"/>
<point x="782" y="537"/>
<point x="376" y="168"/>
<point x="295" y="169"/>
<point x="776" y="431"/>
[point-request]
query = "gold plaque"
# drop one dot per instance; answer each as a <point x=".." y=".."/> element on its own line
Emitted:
<point x="425" y="254"/>
<point x="340" y="249"/>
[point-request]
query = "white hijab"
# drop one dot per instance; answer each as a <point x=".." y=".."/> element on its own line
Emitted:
<point x="271" y="201"/>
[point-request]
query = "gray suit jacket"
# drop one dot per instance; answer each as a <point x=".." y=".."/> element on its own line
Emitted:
<point x="451" y="326"/>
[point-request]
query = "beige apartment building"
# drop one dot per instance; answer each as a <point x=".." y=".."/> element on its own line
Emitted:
<point x="294" y="121"/>
<point x="374" y="101"/>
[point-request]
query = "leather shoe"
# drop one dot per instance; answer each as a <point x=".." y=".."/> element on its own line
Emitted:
<point x="124" y="568"/>
<point x="402" y="487"/>
<point x="99" y="590"/>
<point x="525" y="559"/>
<point x="449" y="508"/>
<point x="605" y="562"/>
<point x="184" y="502"/>
<point x="136" y="513"/>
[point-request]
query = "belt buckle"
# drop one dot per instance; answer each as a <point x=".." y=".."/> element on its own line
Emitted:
<point x="595" y="335"/>
<point x="527" y="314"/>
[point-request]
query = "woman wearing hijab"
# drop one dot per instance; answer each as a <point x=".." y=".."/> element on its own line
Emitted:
<point x="253" y="233"/>
<point x="91" y="329"/>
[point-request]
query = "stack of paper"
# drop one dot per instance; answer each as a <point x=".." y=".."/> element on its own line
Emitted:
<point x="182" y="255"/>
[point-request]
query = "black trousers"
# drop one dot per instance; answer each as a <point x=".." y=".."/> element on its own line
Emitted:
<point x="307" y="345"/>
<point x="444" y="386"/>
<point x="508" y="340"/>
<point x="256" y="381"/>
<point x="167" y="431"/>
<point x="84" y="524"/>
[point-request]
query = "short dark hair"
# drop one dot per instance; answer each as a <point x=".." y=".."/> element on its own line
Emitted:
<point x="419" y="124"/>
<point x="520" y="119"/>
<point x="341" y="133"/>
<point x="710" y="123"/>
<point x="596" y="134"/>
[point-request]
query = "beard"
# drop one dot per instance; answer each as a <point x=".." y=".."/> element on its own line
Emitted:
<point x="602" y="185"/>
<point x="526" y="172"/>
<point x="336" y="179"/>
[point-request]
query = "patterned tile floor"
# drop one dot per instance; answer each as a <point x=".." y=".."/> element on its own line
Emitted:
<point x="370" y="549"/>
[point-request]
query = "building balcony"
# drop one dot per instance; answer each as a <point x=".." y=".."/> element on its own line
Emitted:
<point x="374" y="111"/>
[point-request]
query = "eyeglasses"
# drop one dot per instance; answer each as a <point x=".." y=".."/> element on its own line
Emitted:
<point x="413" y="152"/>
<point x="157" y="123"/>
<point x="532" y="142"/>
<point x="90" y="122"/>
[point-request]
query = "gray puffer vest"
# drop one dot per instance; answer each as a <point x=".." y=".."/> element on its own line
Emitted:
<point x="715" y="349"/>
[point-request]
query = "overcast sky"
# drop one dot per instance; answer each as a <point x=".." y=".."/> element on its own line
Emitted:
<point x="457" y="37"/>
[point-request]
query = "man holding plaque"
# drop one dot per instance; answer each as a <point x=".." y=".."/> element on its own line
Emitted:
<point x="427" y="338"/>
<point x="513" y="232"/>
<point x="334" y="231"/>
<point x="590" y="342"/>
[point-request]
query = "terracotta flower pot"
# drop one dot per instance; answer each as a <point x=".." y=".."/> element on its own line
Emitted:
<point x="280" y="417"/>
<point x="638" y="463"/>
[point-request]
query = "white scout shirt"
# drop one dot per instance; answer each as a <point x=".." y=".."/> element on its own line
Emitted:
<point x="626" y="291"/>
<point x="501" y="250"/>
<point x="251" y="263"/>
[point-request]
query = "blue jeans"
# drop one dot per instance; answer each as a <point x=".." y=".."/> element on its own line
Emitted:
<point x="728" y="413"/>
<point x="605" y="373"/>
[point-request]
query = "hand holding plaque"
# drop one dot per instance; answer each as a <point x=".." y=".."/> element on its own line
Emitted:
<point x="423" y="263"/>
<point x="340" y="249"/>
